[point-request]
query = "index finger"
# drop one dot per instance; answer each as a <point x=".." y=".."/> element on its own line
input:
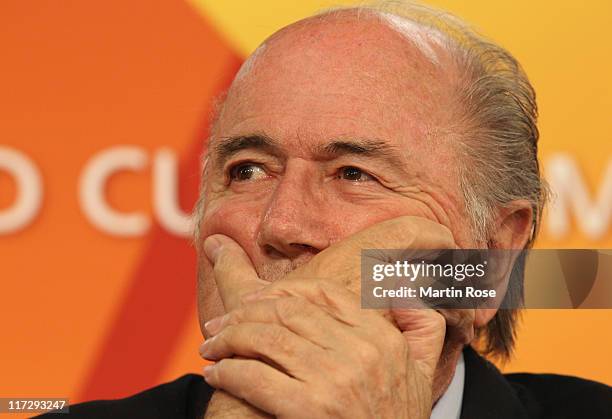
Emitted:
<point x="343" y="259"/>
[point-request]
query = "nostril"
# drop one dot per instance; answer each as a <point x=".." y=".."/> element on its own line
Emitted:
<point x="305" y="248"/>
<point x="290" y="251"/>
<point x="272" y="252"/>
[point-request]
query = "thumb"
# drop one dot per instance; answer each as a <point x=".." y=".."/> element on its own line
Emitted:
<point x="234" y="273"/>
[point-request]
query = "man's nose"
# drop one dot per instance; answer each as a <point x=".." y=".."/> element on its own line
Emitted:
<point x="294" y="224"/>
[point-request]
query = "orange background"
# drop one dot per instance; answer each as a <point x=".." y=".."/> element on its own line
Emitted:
<point x="87" y="314"/>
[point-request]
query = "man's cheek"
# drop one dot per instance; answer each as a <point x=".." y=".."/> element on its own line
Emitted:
<point x="233" y="218"/>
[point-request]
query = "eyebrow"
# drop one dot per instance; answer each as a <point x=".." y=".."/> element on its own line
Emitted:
<point x="227" y="147"/>
<point x="381" y="150"/>
<point x="365" y="147"/>
<point x="372" y="148"/>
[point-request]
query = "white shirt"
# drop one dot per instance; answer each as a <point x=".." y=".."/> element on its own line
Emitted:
<point x="449" y="405"/>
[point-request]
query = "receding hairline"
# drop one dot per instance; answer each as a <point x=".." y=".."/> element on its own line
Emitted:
<point x="428" y="40"/>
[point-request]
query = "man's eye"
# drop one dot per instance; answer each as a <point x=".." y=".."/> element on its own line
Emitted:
<point x="354" y="174"/>
<point x="247" y="171"/>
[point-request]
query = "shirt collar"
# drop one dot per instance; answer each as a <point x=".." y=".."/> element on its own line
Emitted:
<point x="449" y="405"/>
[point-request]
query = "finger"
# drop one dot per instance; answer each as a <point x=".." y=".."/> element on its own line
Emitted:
<point x="336" y="300"/>
<point x="233" y="270"/>
<point x="325" y="313"/>
<point x="257" y="383"/>
<point x="274" y="344"/>
<point x="459" y="325"/>
<point x="406" y="232"/>
<point x="298" y="315"/>
<point x="424" y="330"/>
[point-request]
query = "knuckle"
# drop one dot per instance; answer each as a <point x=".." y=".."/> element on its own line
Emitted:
<point x="263" y="390"/>
<point x="229" y="331"/>
<point x="277" y="292"/>
<point x="348" y="385"/>
<point x="275" y="336"/>
<point x="244" y="300"/>
<point x="327" y="293"/>
<point x="327" y="403"/>
<point x="367" y="353"/>
<point x="320" y="291"/>
<point x="220" y="372"/>
<point x="249" y="373"/>
<point x="272" y="338"/>
<point x="253" y="373"/>
<point x="346" y="381"/>
<point x="234" y="317"/>
<point x="289" y="308"/>
<point x="227" y="336"/>
<point x="325" y="289"/>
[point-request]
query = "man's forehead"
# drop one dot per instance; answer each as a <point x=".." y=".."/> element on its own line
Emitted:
<point x="315" y="135"/>
<point x="349" y="46"/>
<point x="339" y="75"/>
<point x="362" y="33"/>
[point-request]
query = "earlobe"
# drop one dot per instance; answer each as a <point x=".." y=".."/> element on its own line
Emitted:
<point x="482" y="316"/>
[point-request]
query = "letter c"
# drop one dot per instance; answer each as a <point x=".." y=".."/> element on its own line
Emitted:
<point x="91" y="191"/>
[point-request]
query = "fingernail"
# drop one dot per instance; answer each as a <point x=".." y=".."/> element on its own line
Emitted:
<point x="208" y="371"/>
<point x="214" y="325"/>
<point x="205" y="347"/>
<point x="212" y="245"/>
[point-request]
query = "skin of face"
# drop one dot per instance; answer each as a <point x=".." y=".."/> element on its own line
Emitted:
<point x="339" y="123"/>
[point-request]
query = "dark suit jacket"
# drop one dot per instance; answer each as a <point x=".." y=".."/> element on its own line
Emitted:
<point x="487" y="394"/>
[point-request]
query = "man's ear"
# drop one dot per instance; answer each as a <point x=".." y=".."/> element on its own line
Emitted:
<point x="512" y="230"/>
<point x="512" y="226"/>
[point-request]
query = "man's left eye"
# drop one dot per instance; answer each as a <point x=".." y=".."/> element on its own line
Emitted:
<point x="354" y="174"/>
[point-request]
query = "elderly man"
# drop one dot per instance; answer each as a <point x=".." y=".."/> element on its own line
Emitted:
<point x="361" y="128"/>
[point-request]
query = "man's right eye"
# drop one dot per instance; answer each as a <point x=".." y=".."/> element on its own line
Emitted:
<point x="247" y="171"/>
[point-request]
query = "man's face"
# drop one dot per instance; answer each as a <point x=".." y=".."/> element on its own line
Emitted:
<point x="338" y="124"/>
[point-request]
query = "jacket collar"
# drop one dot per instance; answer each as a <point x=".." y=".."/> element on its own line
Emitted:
<point x="488" y="394"/>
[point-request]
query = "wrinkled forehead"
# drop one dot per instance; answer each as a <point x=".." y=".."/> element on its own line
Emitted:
<point x="368" y="68"/>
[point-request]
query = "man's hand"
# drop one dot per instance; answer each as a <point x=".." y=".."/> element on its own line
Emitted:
<point x="303" y="347"/>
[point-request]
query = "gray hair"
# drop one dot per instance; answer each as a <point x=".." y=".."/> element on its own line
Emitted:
<point x="499" y="146"/>
<point x="498" y="113"/>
